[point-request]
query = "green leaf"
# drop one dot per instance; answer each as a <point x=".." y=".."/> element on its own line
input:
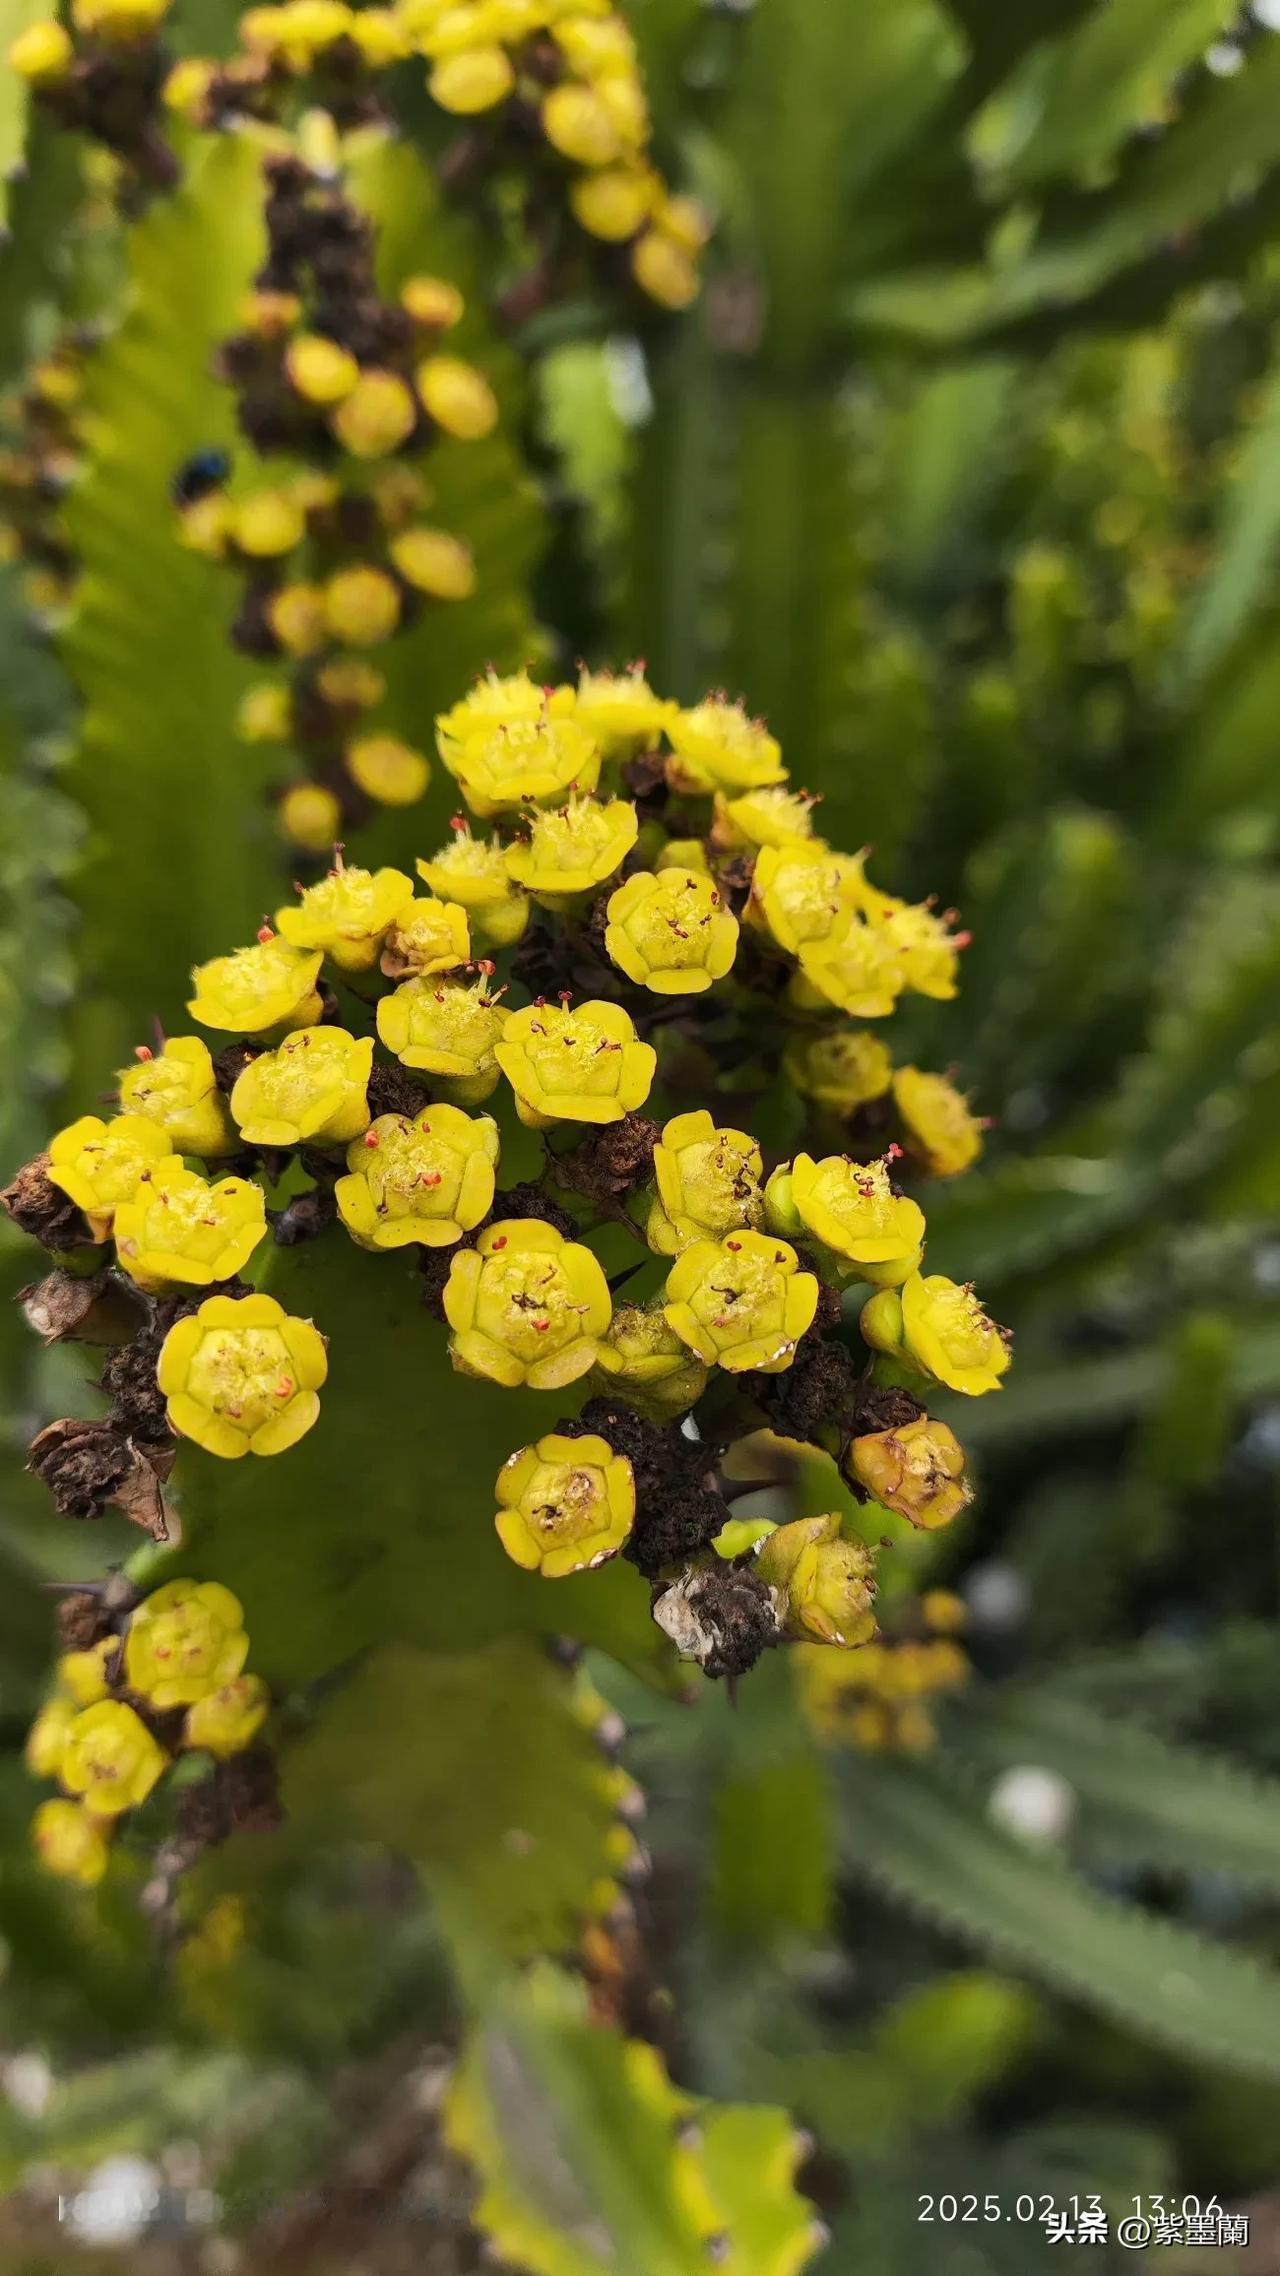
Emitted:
<point x="478" y="1766"/>
<point x="1241" y="578"/>
<point x="1140" y="1798"/>
<point x="771" y="1859"/>
<point x="912" y="1831"/>
<point x="578" y="2138"/>
<point x="15" y="15"/>
<point x="1039" y="1403"/>
<point x="181" y="859"/>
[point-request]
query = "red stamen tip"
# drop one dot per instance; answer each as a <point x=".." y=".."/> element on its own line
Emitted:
<point x="372" y="1139"/>
<point x="143" y="1051"/>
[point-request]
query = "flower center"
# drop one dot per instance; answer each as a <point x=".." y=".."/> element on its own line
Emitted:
<point x="245" y="1374"/>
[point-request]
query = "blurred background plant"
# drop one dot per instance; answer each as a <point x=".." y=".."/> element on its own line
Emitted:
<point x="965" y="470"/>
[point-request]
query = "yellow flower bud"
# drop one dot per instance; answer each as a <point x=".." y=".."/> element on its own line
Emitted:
<point x="296" y="615"/>
<point x="947" y="1333"/>
<point x="428" y="1180"/>
<point x="435" y="562"/>
<point x="265" y="714"/>
<point x="475" y="875"/>
<point x="351" y="683"/>
<point x="526" y="1306"/>
<point x="643" y="1356"/>
<point x="916" y="1470"/>
<point x="110" y="1759"/>
<point x="241" y="1376"/>
<point x="840" y="1070"/>
<point x="178" y="1230"/>
<point x="683" y="853"/>
<point x="741" y="1303"/>
<point x="269" y="985"/>
<point x="576" y="122"/>
<point x="83" y="1675"/>
<point x="565" y="1505"/>
<point x="708" y="1184"/>
<point x="852" y="1209"/>
<point x="224" y="1722"/>
<point x="47" y="1738"/>
<point x="185" y="1639"/>
<point x="118" y="21"/>
<point x="387" y="770"/>
<point x="824" y="1586"/>
<point x="348" y="914"/>
<point x="612" y="202"/>
<point x="361" y="606"/>
<point x="529" y="763"/>
<point x="310" y="817"/>
<point x="472" y="81"/>
<point x="428" y="936"/>
<point x="593" y="45"/>
<point x="770" y="817"/>
<point x="70" y="1842"/>
<point x="42" y="55"/>
<point x="376" y="416"/>
<point x="573" y="848"/>
<point x="449" y="1029"/>
<point x="206" y="525"/>
<point x="380" y="36"/>
<point x="432" y="302"/>
<point x="664" y="270"/>
<point x="937" y="1125"/>
<point x="583" y="1065"/>
<point x="458" y="397"/>
<point x="319" y="370"/>
<point x="267" y="314"/>
<point x="671" y="932"/>
<point x="99" y="1164"/>
<point x="178" y="1091"/>
<point x="268" y="524"/>
<point x="311" y="1090"/>
<point x="855" y="968"/>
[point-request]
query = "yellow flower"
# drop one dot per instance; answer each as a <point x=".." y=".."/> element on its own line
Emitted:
<point x="351" y="683"/>
<point x="741" y="1303"/>
<point x="310" y="817"/>
<point x="177" y="1090"/>
<point x="708" y="1184"/>
<point x="311" y="1088"/>
<point x="937" y="1124"/>
<point x="583" y="1065"/>
<point x="824" y="1585"/>
<point x="528" y="763"/>
<point x="771" y="817"/>
<point x="854" y="968"/>
<point x="852" y="1209"/>
<point x="475" y="876"/>
<point x="458" y="397"/>
<point x="435" y="562"/>
<point x="428" y="936"/>
<point x="619" y="708"/>
<point x="83" y="1675"/>
<point x="947" y="1333"/>
<point x="684" y="853"/>
<point x="184" y="1640"/>
<point x="296" y="615"/>
<point x="493" y="702"/>
<point x="802" y="892"/>
<point x="644" y="1357"/>
<point x="99" y="1164"/>
<point x="42" y="54"/>
<point x="526" y="1306"/>
<point x="927" y="950"/>
<point x="376" y="416"/>
<point x="110" y="1759"/>
<point x="265" y="714"/>
<point x="70" y="1843"/>
<point x="429" y="1180"/>
<point x="671" y="931"/>
<point x="179" y="1230"/>
<point x="380" y="37"/>
<point x="717" y="747"/>
<point x="241" y="1376"/>
<point x="319" y="369"/>
<point x="476" y="80"/>
<point x="348" y="914"/>
<point x="267" y="524"/>
<point x="840" y="1070"/>
<point x="225" y="1721"/>
<point x="432" y="302"/>
<point x="47" y="1738"/>
<point x="565" y="1505"/>
<point x="596" y="45"/>
<point x="254" y="989"/>
<point x="916" y="1470"/>
<point x="449" y="1029"/>
<point x="612" y="202"/>
<point x="387" y="770"/>
<point x="571" y="849"/>
<point x="577" y="123"/>
<point x="361" y="605"/>
<point x="118" y="21"/>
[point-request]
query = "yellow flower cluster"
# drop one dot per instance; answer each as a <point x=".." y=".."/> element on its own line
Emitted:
<point x="181" y="1653"/>
<point x="879" y="1698"/>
